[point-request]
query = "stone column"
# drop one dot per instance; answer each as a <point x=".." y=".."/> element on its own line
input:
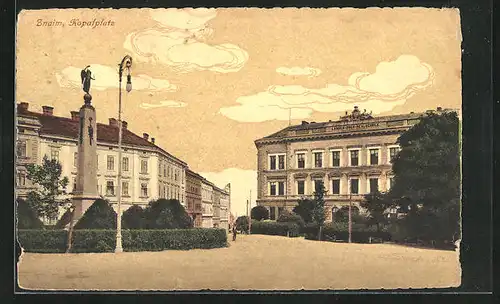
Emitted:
<point x="86" y="179"/>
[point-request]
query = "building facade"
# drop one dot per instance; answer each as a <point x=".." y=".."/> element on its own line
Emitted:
<point x="207" y="200"/>
<point x="193" y="197"/>
<point x="148" y="171"/>
<point x="350" y="157"/>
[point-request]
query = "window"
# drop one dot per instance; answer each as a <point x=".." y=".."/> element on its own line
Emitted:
<point x="175" y="175"/>
<point x="168" y="192"/>
<point x="21" y="179"/>
<point x="281" y="162"/>
<point x="97" y="157"/>
<point x="336" y="186"/>
<point x="165" y="171"/>
<point x="272" y="213"/>
<point x="373" y="185"/>
<point x="54" y="154"/>
<point x="393" y="152"/>
<point x="301" y="161"/>
<point x="355" y="158"/>
<point x="144" y="166"/>
<point x="21" y="148"/>
<point x="159" y="190"/>
<point x="318" y="159"/>
<point x="125" y="164"/>
<point x="144" y="190"/>
<point x="125" y="188"/>
<point x="272" y="188"/>
<point x="74" y="184"/>
<point x="335" y="158"/>
<point x="110" y="188"/>
<point x="300" y="187"/>
<point x="373" y="156"/>
<point x="111" y="163"/>
<point x="281" y="188"/>
<point x="317" y="185"/>
<point x="280" y="211"/>
<point x="354" y="186"/>
<point x="272" y="162"/>
<point x="75" y="159"/>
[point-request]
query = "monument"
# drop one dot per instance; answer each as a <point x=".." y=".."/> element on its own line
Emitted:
<point x="86" y="179"/>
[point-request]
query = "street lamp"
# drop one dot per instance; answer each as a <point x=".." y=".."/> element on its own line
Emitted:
<point x="350" y="216"/>
<point x="125" y="64"/>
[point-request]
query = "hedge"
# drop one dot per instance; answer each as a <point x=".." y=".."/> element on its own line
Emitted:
<point x="55" y="241"/>
<point x="340" y="232"/>
<point x="276" y="228"/>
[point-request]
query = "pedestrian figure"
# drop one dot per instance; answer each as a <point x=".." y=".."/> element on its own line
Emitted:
<point x="234" y="233"/>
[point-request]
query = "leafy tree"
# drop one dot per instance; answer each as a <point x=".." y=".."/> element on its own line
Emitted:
<point x="45" y="199"/>
<point x="259" y="213"/>
<point x="289" y="217"/>
<point x="318" y="212"/>
<point x="98" y="216"/>
<point x="26" y="217"/>
<point x="242" y="223"/>
<point x="304" y="209"/>
<point x="342" y="215"/>
<point x="376" y="204"/>
<point x="134" y="218"/>
<point x="427" y="176"/>
<point x="166" y="214"/>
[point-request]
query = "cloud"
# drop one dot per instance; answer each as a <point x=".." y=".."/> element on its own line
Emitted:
<point x="242" y="182"/>
<point x="107" y="78"/>
<point x="298" y="71"/>
<point x="163" y="104"/>
<point x="391" y="85"/>
<point x="178" y="41"/>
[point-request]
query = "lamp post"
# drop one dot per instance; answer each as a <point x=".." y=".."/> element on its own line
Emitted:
<point x="350" y="216"/>
<point x="125" y="64"/>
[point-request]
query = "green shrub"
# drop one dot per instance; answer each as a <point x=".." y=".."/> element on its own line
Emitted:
<point x="26" y="217"/>
<point x="242" y="223"/>
<point x="99" y="216"/>
<point x="134" y="218"/>
<point x="340" y="231"/>
<point x="166" y="214"/>
<point x="276" y="228"/>
<point x="259" y="213"/>
<point x="43" y="241"/>
<point x="94" y="240"/>
<point x="64" y="220"/>
<point x="288" y="217"/>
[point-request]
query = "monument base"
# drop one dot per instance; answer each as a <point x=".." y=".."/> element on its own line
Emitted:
<point x="81" y="204"/>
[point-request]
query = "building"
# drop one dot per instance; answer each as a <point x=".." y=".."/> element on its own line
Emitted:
<point x="350" y="157"/>
<point x="148" y="171"/>
<point x="207" y="200"/>
<point x="194" y="197"/>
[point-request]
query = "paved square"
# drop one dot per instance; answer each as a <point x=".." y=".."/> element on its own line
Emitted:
<point x="252" y="262"/>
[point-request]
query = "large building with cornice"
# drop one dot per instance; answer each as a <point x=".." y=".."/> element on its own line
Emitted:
<point x="350" y="156"/>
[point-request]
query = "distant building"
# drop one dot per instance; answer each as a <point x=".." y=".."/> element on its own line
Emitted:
<point x="193" y="197"/>
<point x="149" y="172"/>
<point x="350" y="157"/>
<point x="207" y="200"/>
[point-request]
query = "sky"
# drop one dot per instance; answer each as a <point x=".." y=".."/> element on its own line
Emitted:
<point x="208" y="82"/>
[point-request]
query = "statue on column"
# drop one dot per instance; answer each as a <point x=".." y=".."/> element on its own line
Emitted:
<point x="86" y="75"/>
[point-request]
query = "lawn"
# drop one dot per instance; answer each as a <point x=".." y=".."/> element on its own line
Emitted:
<point x="256" y="262"/>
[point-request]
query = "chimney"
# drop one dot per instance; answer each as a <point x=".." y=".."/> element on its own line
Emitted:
<point x="124" y="125"/>
<point x="153" y="140"/>
<point x="47" y="110"/>
<point x="145" y="136"/>
<point x="113" y="122"/>
<point x="75" y="115"/>
<point x="22" y="107"/>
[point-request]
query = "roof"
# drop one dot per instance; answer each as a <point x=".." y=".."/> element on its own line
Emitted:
<point x="67" y="127"/>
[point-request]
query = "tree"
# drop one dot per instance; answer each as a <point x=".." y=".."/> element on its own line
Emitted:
<point x="289" y="217"/>
<point x="376" y="204"/>
<point x="98" y="216"/>
<point x="242" y="223"/>
<point x="259" y="213"/>
<point x="166" y="214"/>
<point x="133" y="218"/>
<point x="46" y="200"/>
<point x="304" y="209"/>
<point x="318" y="212"/>
<point x="427" y="175"/>
<point x="26" y="217"/>
<point x="342" y="215"/>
